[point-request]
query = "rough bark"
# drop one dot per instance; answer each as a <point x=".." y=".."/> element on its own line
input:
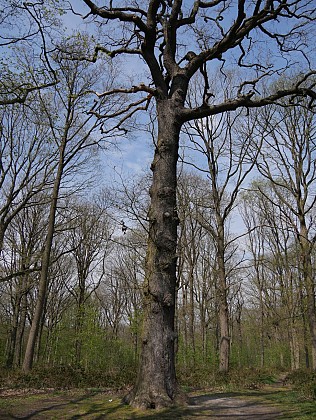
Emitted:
<point x="156" y="385"/>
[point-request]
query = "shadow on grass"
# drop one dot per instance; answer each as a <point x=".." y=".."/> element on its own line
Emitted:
<point x="97" y="405"/>
<point x="54" y="408"/>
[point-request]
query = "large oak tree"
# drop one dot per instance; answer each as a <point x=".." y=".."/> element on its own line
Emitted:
<point x="174" y="40"/>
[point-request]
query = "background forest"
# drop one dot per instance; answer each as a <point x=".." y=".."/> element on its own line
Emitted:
<point x="73" y="239"/>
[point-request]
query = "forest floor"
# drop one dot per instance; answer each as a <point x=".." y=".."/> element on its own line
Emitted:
<point x="274" y="401"/>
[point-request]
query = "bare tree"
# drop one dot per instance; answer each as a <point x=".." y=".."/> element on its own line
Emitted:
<point x="22" y="251"/>
<point x="274" y="270"/>
<point x="290" y="136"/>
<point x="72" y="133"/>
<point x="176" y="41"/>
<point x="25" y="31"/>
<point x="26" y="161"/>
<point x="89" y="242"/>
<point x="223" y="158"/>
<point x="191" y="242"/>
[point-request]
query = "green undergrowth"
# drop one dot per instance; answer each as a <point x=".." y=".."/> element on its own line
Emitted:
<point x="304" y="383"/>
<point x="295" y="390"/>
<point x="67" y="377"/>
<point x="234" y="380"/>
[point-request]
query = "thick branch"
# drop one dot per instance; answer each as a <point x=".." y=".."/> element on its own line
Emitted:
<point x="245" y="101"/>
<point x="116" y="14"/>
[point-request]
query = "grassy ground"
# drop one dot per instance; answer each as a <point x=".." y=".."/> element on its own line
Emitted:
<point x="296" y="406"/>
<point x="270" y="401"/>
<point x="48" y="394"/>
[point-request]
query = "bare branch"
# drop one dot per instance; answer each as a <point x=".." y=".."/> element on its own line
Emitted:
<point x="21" y="97"/>
<point x="247" y="101"/>
<point x="133" y="89"/>
<point x="119" y="14"/>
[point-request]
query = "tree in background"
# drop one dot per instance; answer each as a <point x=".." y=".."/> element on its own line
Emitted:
<point x="89" y="244"/>
<point x="24" y="30"/>
<point x="223" y="158"/>
<point x="22" y="251"/>
<point x="289" y="134"/>
<point x="26" y="161"/>
<point x="71" y="133"/>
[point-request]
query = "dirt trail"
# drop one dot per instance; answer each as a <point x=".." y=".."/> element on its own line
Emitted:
<point x="224" y="406"/>
<point x="245" y="406"/>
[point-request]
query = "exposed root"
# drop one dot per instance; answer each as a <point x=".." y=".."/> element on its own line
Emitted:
<point x="149" y="399"/>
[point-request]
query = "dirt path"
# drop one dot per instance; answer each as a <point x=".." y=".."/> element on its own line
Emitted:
<point x="224" y="406"/>
<point x="79" y="404"/>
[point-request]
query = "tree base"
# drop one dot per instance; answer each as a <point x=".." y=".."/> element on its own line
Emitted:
<point x="154" y="399"/>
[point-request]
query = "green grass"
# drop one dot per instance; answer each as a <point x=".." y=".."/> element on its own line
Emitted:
<point x="98" y="396"/>
<point x="77" y="404"/>
<point x="295" y="406"/>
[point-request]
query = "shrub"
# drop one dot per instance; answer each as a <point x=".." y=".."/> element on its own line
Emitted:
<point x="304" y="383"/>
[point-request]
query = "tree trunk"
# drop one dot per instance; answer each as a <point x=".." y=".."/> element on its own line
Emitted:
<point x="13" y="335"/>
<point x="184" y="329"/>
<point x="224" y="342"/>
<point x="79" y="322"/>
<point x="21" y="330"/>
<point x="191" y="310"/>
<point x="18" y="322"/>
<point x="156" y="385"/>
<point x="310" y="288"/>
<point x="304" y="322"/>
<point x="294" y="346"/>
<point x="43" y="283"/>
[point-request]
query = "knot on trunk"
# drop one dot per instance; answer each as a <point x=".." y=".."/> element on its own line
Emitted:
<point x="165" y="192"/>
<point x="164" y="241"/>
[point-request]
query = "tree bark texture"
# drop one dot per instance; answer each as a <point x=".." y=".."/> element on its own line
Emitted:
<point x="156" y="384"/>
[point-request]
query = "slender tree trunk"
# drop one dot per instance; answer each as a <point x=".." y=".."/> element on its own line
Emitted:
<point x="43" y="283"/>
<point x="262" y="330"/>
<point x="184" y="329"/>
<point x="304" y="321"/>
<point x="21" y="331"/>
<point x="2" y="231"/>
<point x="191" y="310"/>
<point x="294" y="346"/>
<point x="224" y="343"/>
<point x="156" y="385"/>
<point x="79" y="322"/>
<point x="17" y="323"/>
<point x="239" y="337"/>
<point x="13" y="336"/>
<point x="203" y="327"/>
<point x="310" y="289"/>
